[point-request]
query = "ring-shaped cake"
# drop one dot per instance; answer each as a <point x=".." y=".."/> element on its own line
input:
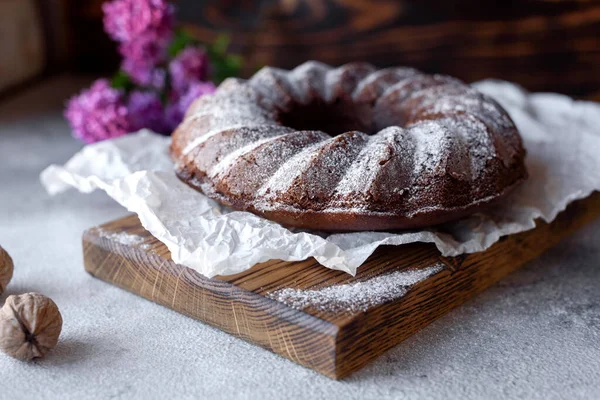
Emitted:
<point x="349" y="148"/>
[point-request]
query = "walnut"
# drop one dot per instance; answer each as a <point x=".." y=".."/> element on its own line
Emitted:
<point x="6" y="269"/>
<point x="29" y="326"/>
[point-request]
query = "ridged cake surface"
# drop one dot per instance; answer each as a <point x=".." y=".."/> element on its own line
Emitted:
<point x="349" y="148"/>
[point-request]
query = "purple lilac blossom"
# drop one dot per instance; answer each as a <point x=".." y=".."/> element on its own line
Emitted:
<point x="173" y="115"/>
<point x="98" y="113"/>
<point x="176" y="110"/>
<point x="190" y="65"/>
<point x="146" y="111"/>
<point x="144" y="29"/>
<point x="127" y="20"/>
<point x="144" y="73"/>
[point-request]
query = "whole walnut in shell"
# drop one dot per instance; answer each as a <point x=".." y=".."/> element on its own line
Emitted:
<point x="29" y="326"/>
<point x="6" y="269"/>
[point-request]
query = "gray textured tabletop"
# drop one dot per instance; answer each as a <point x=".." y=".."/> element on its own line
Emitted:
<point x="534" y="335"/>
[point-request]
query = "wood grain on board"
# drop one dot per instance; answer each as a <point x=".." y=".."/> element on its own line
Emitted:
<point x="334" y="343"/>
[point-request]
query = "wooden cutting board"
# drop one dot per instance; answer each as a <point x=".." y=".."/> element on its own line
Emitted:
<point x="334" y="341"/>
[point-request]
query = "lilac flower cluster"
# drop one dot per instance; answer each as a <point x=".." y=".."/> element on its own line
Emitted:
<point x="188" y="72"/>
<point x="98" y="113"/>
<point x="128" y="20"/>
<point x="102" y="112"/>
<point x="144" y="30"/>
<point x="190" y="66"/>
<point x="176" y="110"/>
<point x="147" y="111"/>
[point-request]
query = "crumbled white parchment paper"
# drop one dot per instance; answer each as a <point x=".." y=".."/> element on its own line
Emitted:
<point x="562" y="138"/>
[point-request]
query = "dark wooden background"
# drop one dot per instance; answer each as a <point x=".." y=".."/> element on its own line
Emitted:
<point x="545" y="45"/>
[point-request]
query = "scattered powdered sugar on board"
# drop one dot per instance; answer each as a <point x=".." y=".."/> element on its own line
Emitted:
<point x="358" y="296"/>
<point x="127" y="239"/>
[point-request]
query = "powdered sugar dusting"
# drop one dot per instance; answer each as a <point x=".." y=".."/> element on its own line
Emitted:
<point x="124" y="238"/>
<point x="224" y="112"/>
<point x="342" y="81"/>
<point x="429" y="138"/>
<point x="308" y="79"/>
<point x="201" y="139"/>
<point x="374" y="84"/>
<point x="232" y="157"/>
<point x="452" y="99"/>
<point x="359" y="296"/>
<point x="477" y="141"/>
<point x="331" y="163"/>
<point x="275" y="87"/>
<point x="452" y="132"/>
<point x="285" y="175"/>
<point x="332" y="80"/>
<point x="361" y="174"/>
<point x="402" y="90"/>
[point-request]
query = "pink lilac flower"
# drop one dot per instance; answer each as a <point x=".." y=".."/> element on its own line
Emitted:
<point x="196" y="89"/>
<point x="190" y="65"/>
<point x="98" y="113"/>
<point x="173" y="115"/>
<point x="143" y="49"/>
<point x="176" y="110"/>
<point x="144" y="29"/>
<point x="146" y="111"/>
<point x="144" y="74"/>
<point x="126" y="20"/>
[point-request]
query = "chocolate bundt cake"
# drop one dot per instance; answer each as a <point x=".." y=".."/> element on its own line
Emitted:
<point x="349" y="148"/>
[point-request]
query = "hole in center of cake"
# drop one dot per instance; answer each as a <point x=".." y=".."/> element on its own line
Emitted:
<point x="333" y="119"/>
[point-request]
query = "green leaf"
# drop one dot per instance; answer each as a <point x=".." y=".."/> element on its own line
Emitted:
<point x="180" y="41"/>
<point x="122" y="81"/>
<point x="235" y="61"/>
<point x="224" y="65"/>
<point x="221" y="44"/>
